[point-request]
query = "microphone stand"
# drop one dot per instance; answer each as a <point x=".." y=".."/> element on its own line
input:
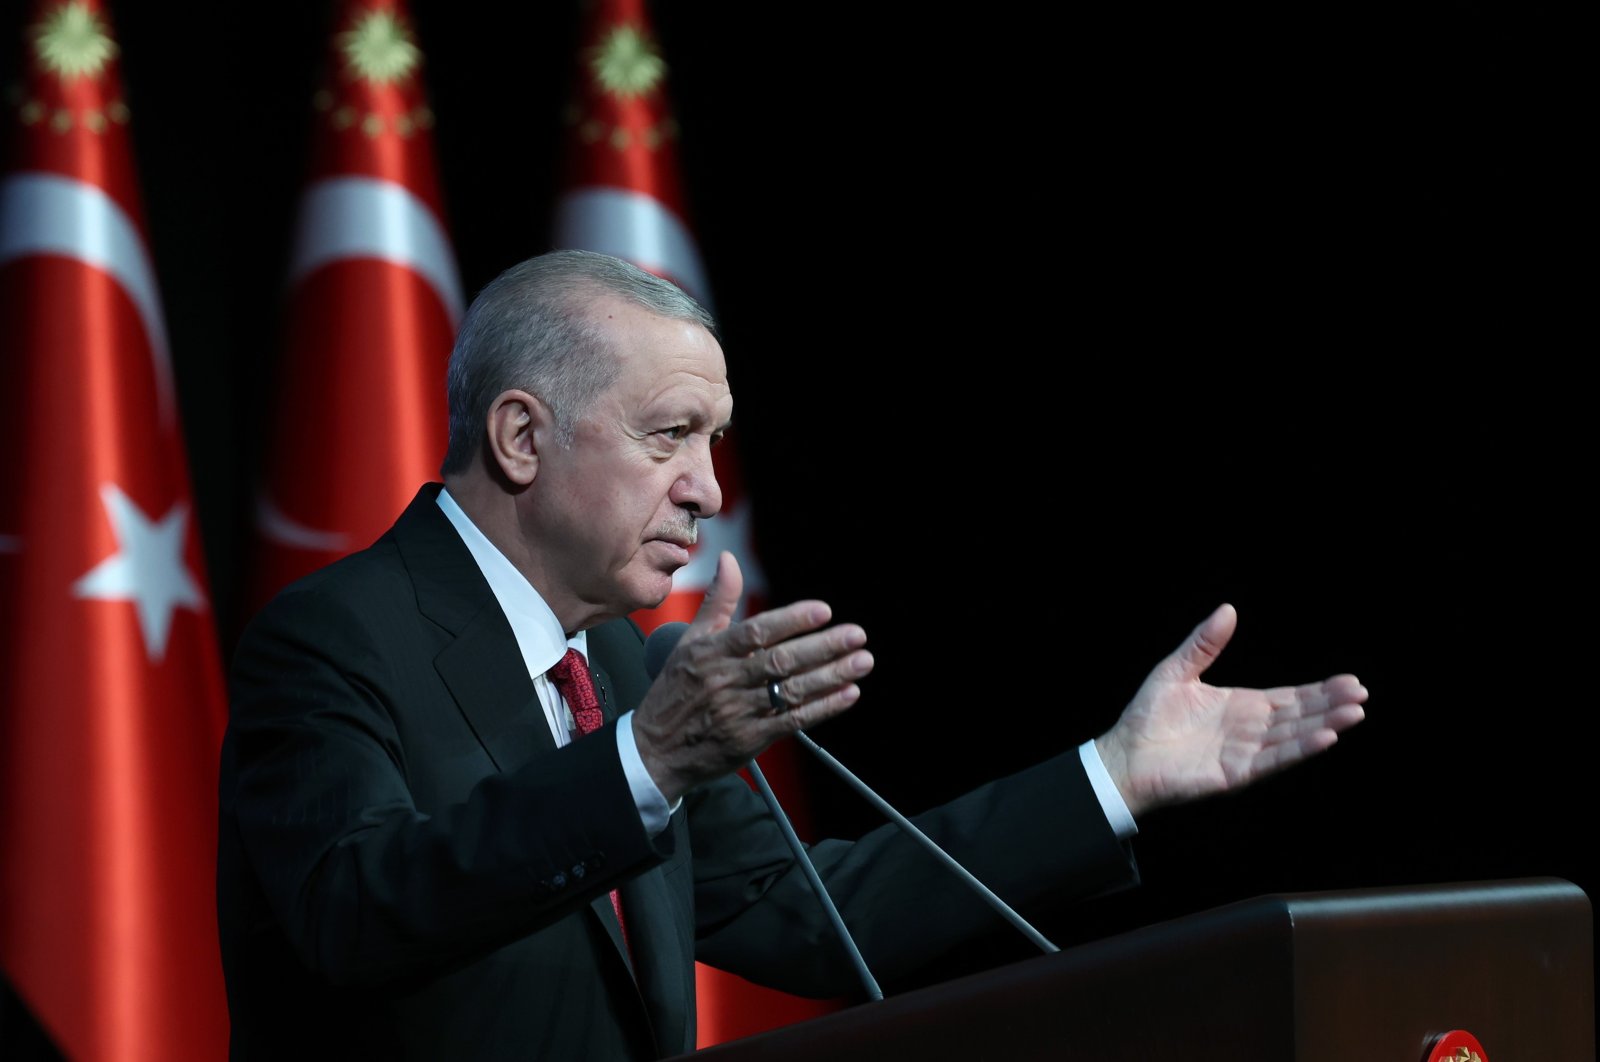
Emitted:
<point x="923" y="839"/>
<point x="868" y="982"/>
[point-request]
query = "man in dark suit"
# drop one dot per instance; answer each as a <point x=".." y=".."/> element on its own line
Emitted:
<point x="460" y="821"/>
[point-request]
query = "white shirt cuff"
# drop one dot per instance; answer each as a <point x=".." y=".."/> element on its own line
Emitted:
<point x="1111" y="801"/>
<point x="653" y="809"/>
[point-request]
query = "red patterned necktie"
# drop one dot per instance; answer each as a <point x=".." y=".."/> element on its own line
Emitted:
<point x="576" y="685"/>
<point x="571" y="676"/>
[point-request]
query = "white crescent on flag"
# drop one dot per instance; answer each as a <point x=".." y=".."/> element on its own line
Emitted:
<point x="361" y="217"/>
<point x="636" y="227"/>
<point x="277" y="526"/>
<point x="44" y="213"/>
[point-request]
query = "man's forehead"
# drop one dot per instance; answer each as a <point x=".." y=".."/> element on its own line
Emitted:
<point x="679" y="385"/>
<point x="664" y="344"/>
<point x="673" y="368"/>
<point x="609" y="306"/>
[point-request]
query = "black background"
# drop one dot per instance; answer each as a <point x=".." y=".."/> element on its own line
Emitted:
<point x="1048" y="334"/>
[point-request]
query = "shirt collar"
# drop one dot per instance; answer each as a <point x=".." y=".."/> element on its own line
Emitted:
<point x="538" y="632"/>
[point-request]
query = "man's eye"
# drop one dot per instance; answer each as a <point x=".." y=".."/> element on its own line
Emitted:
<point x="676" y="432"/>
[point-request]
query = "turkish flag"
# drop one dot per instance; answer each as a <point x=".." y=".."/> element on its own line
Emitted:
<point x="111" y="698"/>
<point x="374" y="297"/>
<point x="623" y="195"/>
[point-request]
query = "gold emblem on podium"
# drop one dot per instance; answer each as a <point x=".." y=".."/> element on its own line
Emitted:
<point x="1457" y="1045"/>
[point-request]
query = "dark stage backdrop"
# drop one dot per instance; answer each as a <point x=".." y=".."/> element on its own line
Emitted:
<point x="1046" y="338"/>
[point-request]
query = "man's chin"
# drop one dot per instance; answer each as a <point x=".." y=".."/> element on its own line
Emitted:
<point x="652" y="591"/>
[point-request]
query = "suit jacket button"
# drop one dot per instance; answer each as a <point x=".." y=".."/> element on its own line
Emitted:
<point x="578" y="870"/>
<point x="559" y="881"/>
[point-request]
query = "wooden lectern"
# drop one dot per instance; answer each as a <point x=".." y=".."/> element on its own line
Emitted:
<point x="1371" y="975"/>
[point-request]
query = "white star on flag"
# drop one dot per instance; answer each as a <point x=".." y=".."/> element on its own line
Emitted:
<point x="730" y="531"/>
<point x="147" y="568"/>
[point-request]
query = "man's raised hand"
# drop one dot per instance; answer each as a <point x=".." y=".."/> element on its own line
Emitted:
<point x="1180" y="739"/>
<point x="712" y="708"/>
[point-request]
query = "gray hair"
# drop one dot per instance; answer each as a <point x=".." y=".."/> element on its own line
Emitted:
<point x="531" y="329"/>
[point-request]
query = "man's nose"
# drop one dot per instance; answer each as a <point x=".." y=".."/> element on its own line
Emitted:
<point x="696" y="488"/>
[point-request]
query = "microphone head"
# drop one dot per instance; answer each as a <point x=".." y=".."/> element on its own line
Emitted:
<point x="660" y="644"/>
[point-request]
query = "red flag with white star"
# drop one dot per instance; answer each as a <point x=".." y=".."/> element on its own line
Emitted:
<point x="111" y="697"/>
<point x="374" y="299"/>
<point x="623" y="196"/>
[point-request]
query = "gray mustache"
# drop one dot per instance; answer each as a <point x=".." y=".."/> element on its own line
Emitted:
<point x="688" y="530"/>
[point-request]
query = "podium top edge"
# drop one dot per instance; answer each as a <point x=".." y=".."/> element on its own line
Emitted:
<point x="1438" y="897"/>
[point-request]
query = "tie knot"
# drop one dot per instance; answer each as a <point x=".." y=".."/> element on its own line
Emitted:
<point x="576" y="686"/>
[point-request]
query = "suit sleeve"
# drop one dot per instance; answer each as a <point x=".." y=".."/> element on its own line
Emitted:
<point x="1034" y="835"/>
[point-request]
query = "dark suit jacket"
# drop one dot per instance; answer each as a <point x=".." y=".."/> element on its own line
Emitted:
<point x="409" y="867"/>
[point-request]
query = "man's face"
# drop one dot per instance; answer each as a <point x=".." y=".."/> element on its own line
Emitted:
<point x="614" y="513"/>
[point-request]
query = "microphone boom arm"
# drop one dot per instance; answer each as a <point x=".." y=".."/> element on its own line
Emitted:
<point x="923" y="839"/>
<point x="868" y="982"/>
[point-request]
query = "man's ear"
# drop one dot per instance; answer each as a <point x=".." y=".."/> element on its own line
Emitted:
<point x="517" y="421"/>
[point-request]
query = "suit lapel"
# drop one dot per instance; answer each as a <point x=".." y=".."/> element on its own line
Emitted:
<point x="484" y="672"/>
<point x="482" y="666"/>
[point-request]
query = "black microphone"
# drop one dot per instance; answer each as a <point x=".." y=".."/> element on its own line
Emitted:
<point x="657" y="648"/>
<point x="662" y="641"/>
<point x="666" y="638"/>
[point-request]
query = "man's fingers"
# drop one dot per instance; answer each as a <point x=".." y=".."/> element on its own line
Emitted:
<point x="721" y="602"/>
<point x="774" y="627"/>
<point x="1287" y="753"/>
<point x="1292" y="729"/>
<point x="817" y="682"/>
<point x="1198" y="651"/>
<point x="800" y="655"/>
<point x="811" y="714"/>
<point x="1293" y="702"/>
<point x="1344" y="689"/>
<point x="712" y="707"/>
